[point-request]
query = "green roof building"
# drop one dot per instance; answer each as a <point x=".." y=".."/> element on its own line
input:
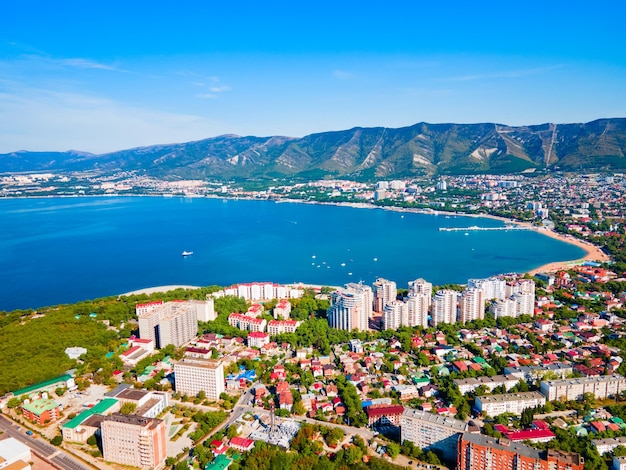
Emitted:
<point x="65" y="380"/>
<point x="221" y="462"/>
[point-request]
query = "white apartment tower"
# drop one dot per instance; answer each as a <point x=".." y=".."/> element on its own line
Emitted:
<point x="395" y="315"/>
<point x="493" y="287"/>
<point x="471" y="305"/>
<point x="350" y="308"/>
<point x="170" y="323"/>
<point x="520" y="286"/>
<point x="420" y="286"/>
<point x="192" y="375"/>
<point x="417" y="309"/>
<point x="444" y="307"/>
<point x="385" y="292"/>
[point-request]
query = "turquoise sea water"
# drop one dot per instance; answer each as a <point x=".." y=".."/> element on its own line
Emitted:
<point x="61" y="250"/>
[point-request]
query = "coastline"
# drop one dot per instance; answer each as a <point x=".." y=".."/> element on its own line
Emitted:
<point x="593" y="252"/>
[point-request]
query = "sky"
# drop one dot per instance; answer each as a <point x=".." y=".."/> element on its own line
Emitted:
<point x="106" y="76"/>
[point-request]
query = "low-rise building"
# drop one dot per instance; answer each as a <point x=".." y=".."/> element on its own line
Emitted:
<point x="607" y="445"/>
<point x="470" y="384"/>
<point x="494" y="405"/>
<point x="600" y="387"/>
<point x="41" y="411"/>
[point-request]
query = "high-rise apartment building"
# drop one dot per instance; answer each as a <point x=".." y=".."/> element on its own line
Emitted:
<point x="168" y="323"/>
<point x="493" y="287"/>
<point x="134" y="440"/>
<point x="444" y="307"/>
<point x="417" y="309"/>
<point x="351" y="308"/>
<point x="385" y="292"/>
<point x="471" y="305"/>
<point x="420" y="286"/>
<point x="395" y="315"/>
<point x="192" y="375"/>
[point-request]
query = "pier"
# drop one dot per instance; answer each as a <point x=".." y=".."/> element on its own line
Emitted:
<point x="475" y="228"/>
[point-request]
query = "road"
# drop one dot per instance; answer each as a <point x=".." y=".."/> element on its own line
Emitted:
<point x="51" y="454"/>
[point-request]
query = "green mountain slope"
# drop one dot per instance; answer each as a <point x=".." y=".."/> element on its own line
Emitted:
<point x="360" y="152"/>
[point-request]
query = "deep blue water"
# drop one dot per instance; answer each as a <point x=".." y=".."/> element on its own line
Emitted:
<point x="62" y="250"/>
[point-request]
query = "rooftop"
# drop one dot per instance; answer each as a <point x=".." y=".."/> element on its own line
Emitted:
<point x="100" y="407"/>
<point x="441" y="420"/>
<point x="505" y="397"/>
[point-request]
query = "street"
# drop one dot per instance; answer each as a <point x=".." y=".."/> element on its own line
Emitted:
<point x="55" y="455"/>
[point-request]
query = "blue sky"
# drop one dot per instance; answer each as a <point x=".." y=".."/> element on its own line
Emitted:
<point x="105" y="76"/>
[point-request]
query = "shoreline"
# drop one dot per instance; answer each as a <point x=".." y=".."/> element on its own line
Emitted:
<point x="593" y="252"/>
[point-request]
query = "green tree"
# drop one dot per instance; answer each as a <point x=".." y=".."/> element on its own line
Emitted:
<point x="393" y="449"/>
<point x="128" y="408"/>
<point x="57" y="440"/>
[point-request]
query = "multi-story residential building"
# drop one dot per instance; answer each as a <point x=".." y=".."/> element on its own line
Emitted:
<point x="282" y="310"/>
<point x="524" y="303"/>
<point x="258" y="339"/>
<point x="194" y="375"/>
<point x="470" y="384"/>
<point x="607" y="445"/>
<point x="205" y="309"/>
<point x="276" y="327"/>
<point x="494" y="405"/>
<point x="417" y="309"/>
<point x="385" y="292"/>
<point x="531" y="373"/>
<point x="420" y="286"/>
<point x="134" y="440"/>
<point x="444" y="307"/>
<point x="384" y="415"/>
<point x="262" y="291"/>
<point x="479" y="452"/>
<point x="503" y="308"/>
<point x="395" y="315"/>
<point x="168" y="323"/>
<point x="493" y="287"/>
<point x="520" y="286"/>
<point x="246" y="322"/>
<point x="350" y="308"/>
<point x="471" y="305"/>
<point x="430" y="431"/>
<point x="601" y="387"/>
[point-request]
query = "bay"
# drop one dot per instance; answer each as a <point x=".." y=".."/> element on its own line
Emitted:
<point x="63" y="250"/>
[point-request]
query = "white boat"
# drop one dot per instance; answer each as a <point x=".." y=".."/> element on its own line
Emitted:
<point x="187" y="253"/>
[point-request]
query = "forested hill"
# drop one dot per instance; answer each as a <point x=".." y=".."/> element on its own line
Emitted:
<point x="360" y="153"/>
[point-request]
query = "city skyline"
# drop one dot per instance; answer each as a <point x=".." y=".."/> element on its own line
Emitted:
<point x="109" y="78"/>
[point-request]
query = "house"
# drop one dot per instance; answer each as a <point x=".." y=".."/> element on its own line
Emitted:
<point x="241" y="444"/>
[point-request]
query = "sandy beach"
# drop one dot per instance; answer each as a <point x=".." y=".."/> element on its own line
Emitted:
<point x="594" y="253"/>
<point x="152" y="290"/>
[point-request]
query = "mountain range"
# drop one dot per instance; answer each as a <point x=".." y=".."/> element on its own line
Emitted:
<point x="359" y="153"/>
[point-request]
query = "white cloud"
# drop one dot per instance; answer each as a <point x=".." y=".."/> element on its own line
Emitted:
<point x="74" y="62"/>
<point x="220" y="89"/>
<point x="39" y="119"/>
<point x="343" y="75"/>
<point x="504" y="74"/>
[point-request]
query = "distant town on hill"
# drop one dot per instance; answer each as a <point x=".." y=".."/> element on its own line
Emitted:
<point x="359" y="153"/>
